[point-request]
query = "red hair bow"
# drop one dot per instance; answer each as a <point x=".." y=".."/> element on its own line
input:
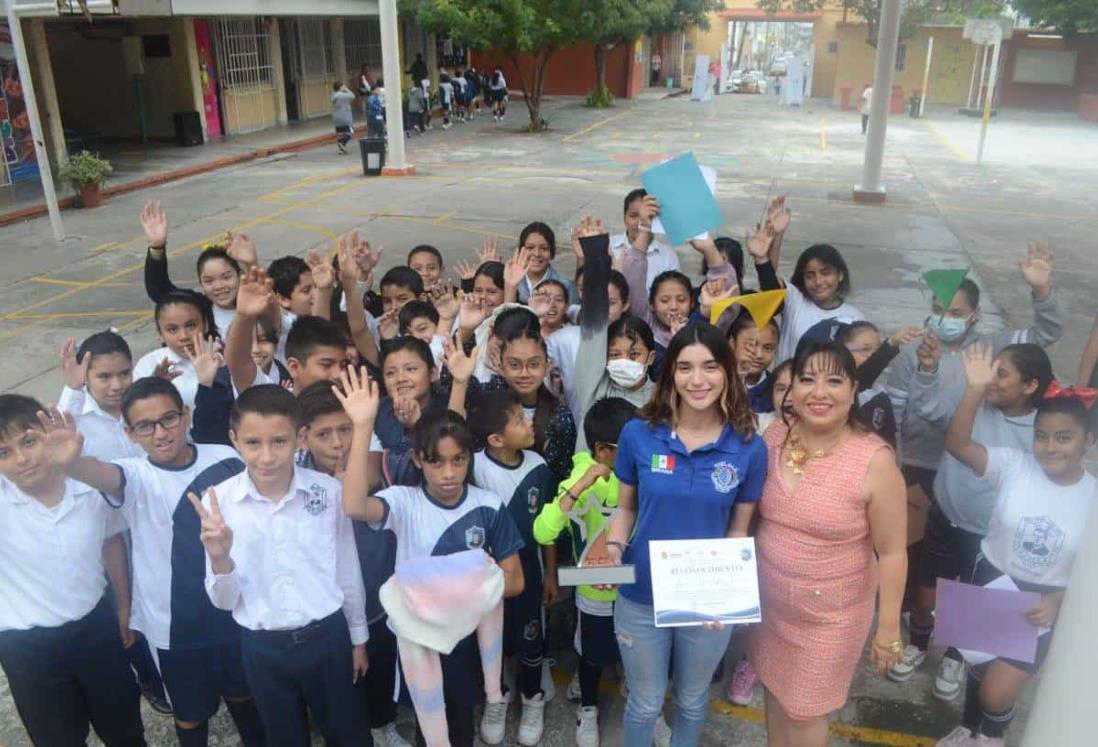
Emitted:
<point x="1084" y="394"/>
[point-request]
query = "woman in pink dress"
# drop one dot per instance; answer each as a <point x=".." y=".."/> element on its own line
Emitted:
<point x="833" y="522"/>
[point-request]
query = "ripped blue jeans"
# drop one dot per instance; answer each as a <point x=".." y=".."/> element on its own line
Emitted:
<point x="646" y="653"/>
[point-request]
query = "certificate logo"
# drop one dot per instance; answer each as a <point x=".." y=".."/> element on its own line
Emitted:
<point x="664" y="464"/>
<point x="745" y="554"/>
<point x="725" y="477"/>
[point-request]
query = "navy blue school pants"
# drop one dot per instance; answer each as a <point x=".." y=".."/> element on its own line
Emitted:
<point x="63" y="679"/>
<point x="289" y="671"/>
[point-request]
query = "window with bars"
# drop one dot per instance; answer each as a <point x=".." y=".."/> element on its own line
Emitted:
<point x="362" y="44"/>
<point x="244" y="53"/>
<point x="315" y="39"/>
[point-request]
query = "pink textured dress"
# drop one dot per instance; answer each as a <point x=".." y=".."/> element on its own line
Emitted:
<point x="817" y="576"/>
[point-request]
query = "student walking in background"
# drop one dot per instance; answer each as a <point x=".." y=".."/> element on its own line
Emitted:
<point x="341" y="115"/>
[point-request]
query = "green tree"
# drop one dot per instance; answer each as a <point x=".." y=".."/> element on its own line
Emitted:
<point x="537" y="28"/>
<point x="1066" y="16"/>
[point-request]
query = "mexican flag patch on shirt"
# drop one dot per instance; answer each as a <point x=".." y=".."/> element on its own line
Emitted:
<point x="663" y="463"/>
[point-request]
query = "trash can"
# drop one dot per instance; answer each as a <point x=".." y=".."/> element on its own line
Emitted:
<point x="373" y="155"/>
<point x="188" y="128"/>
<point x="913" y="106"/>
<point x="669" y="82"/>
<point x="844" y="101"/>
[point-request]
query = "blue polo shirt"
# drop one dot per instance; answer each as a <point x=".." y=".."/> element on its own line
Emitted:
<point x="683" y="494"/>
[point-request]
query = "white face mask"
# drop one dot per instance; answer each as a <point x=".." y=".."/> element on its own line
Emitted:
<point x="626" y="373"/>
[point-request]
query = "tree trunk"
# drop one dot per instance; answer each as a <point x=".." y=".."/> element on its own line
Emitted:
<point x="532" y="87"/>
<point x="600" y="68"/>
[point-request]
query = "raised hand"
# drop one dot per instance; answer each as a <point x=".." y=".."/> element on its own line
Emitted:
<point x="348" y="268"/>
<point x="166" y="370"/>
<point x="388" y="325"/>
<point x="240" y="247"/>
<point x="460" y="365"/>
<point x="758" y="244"/>
<point x="677" y="322"/>
<point x="516" y="267"/>
<point x="473" y="313"/>
<point x="215" y="534"/>
<point x="358" y="394"/>
<point x="929" y="352"/>
<point x="489" y="251"/>
<point x="324" y="275"/>
<point x="64" y="443"/>
<point x="466" y="270"/>
<point x="539" y="303"/>
<point x="443" y="299"/>
<point x="155" y="222"/>
<point x="778" y="215"/>
<point x="979" y="366"/>
<point x="206" y="359"/>
<point x="714" y="290"/>
<point x="73" y="374"/>
<point x="256" y="292"/>
<point x="905" y="336"/>
<point x="407" y="411"/>
<point x="1037" y="268"/>
<point x="366" y="257"/>
<point x="650" y="208"/>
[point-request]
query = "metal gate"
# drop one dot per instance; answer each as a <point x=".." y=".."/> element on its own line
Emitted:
<point x="247" y="80"/>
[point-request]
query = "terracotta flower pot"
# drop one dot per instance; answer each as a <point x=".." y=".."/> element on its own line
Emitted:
<point x="90" y="196"/>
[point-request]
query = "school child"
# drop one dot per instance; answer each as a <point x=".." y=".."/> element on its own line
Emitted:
<point x="445" y="98"/>
<point x="755" y="349"/>
<point x="588" y="497"/>
<point x="181" y="318"/>
<point x="962" y="502"/>
<point x="398" y="286"/>
<point x="219" y="266"/>
<point x="550" y="302"/>
<point x="638" y="212"/>
<point x="375" y="111"/>
<point x="301" y="609"/>
<point x="196" y="646"/>
<point x="488" y="285"/>
<point x="294" y="291"/>
<point x="95" y="376"/>
<point x="427" y="261"/>
<point x="1042" y="503"/>
<point x="531" y="265"/>
<point x="507" y="468"/>
<point x="497" y="90"/>
<point x="461" y="93"/>
<point x="421" y="320"/>
<point x="59" y="635"/>
<point x="441" y="515"/>
<point x="342" y="118"/>
<point x="781" y="379"/>
<point x="953" y="325"/>
<point x="417" y="109"/>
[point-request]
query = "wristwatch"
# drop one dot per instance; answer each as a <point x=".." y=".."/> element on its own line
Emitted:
<point x="620" y="545"/>
<point x="895" y="647"/>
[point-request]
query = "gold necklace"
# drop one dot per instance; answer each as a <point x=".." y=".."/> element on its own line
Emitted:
<point x="797" y="456"/>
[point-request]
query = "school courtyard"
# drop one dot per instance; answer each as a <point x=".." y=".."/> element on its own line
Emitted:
<point x="483" y="180"/>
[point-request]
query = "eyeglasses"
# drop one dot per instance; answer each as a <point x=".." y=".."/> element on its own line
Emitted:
<point x="148" y="427"/>
<point x="517" y="367"/>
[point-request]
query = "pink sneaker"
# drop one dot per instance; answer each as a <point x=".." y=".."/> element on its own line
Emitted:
<point x="742" y="685"/>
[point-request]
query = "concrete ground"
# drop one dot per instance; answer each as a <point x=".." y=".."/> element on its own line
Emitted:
<point x="481" y="180"/>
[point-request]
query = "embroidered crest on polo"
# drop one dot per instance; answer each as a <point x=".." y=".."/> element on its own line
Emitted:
<point x="533" y="498"/>
<point x="664" y="464"/>
<point x="474" y="538"/>
<point x="725" y="477"/>
<point x="317" y="500"/>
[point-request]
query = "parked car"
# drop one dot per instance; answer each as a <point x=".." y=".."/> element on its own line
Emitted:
<point x="748" y="83"/>
<point x="733" y="81"/>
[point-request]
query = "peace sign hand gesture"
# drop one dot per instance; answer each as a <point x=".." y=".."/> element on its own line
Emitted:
<point x="215" y="534"/>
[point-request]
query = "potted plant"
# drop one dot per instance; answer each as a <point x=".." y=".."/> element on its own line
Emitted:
<point x="85" y="172"/>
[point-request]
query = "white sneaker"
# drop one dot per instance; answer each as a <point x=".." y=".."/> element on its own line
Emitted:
<point x="661" y="737"/>
<point x="587" y="727"/>
<point x="951" y="673"/>
<point x="910" y="660"/>
<point x="446" y="125"/>
<point x="387" y="736"/>
<point x="573" y="693"/>
<point x="547" y="685"/>
<point x="959" y="737"/>
<point x="493" y="723"/>
<point x="532" y="722"/>
<point x="985" y="741"/>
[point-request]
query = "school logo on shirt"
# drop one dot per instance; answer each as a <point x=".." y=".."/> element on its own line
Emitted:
<point x="1037" y="543"/>
<point x="725" y="477"/>
<point x="474" y="538"/>
<point x="533" y="499"/>
<point x="317" y="500"/>
<point x="664" y="464"/>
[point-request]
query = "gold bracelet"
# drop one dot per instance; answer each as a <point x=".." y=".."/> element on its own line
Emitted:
<point x="895" y="647"/>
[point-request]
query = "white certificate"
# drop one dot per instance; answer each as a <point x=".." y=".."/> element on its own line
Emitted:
<point x="700" y="581"/>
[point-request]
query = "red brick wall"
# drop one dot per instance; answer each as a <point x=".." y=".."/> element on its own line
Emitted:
<point x="571" y="70"/>
<point x="1036" y="96"/>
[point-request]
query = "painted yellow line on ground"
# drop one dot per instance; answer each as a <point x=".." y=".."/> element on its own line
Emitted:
<point x="941" y="137"/>
<point x="80" y="283"/>
<point x="54" y="315"/>
<point x="589" y="128"/>
<point x="130" y="326"/>
<point x="823" y="134"/>
<point x="445" y="217"/>
<point x="103" y="247"/>
<point x="866" y="734"/>
<point x="307" y="181"/>
<point x="304" y="226"/>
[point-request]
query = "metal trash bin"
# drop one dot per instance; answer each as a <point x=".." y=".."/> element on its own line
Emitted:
<point x="188" y="128"/>
<point x="913" y="105"/>
<point x="372" y="150"/>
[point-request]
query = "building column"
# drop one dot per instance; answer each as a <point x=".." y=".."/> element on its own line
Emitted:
<point x="430" y="56"/>
<point x="396" y="165"/>
<point x="277" y="73"/>
<point x="339" y="54"/>
<point x="54" y="127"/>
<point x="194" y="74"/>
<point x="870" y="188"/>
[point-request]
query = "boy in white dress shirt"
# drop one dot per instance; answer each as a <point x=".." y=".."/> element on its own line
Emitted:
<point x="291" y="578"/>
<point x="60" y="645"/>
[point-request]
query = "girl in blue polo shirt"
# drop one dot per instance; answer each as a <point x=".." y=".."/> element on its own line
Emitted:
<point x="690" y="467"/>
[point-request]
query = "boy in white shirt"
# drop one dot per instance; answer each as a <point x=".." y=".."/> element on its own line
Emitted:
<point x="291" y="580"/>
<point x="661" y="257"/>
<point x="59" y="636"/>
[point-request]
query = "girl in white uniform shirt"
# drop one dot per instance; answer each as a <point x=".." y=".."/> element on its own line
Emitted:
<point x="59" y="636"/>
<point x="1037" y="525"/>
<point x="180" y="317"/>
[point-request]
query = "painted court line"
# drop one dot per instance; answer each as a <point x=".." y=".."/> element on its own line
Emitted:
<point x="941" y="137"/>
<point x="589" y="128"/>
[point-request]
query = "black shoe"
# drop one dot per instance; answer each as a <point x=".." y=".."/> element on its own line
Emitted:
<point x="157" y="702"/>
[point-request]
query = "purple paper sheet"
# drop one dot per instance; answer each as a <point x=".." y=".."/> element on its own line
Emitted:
<point x="988" y="620"/>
